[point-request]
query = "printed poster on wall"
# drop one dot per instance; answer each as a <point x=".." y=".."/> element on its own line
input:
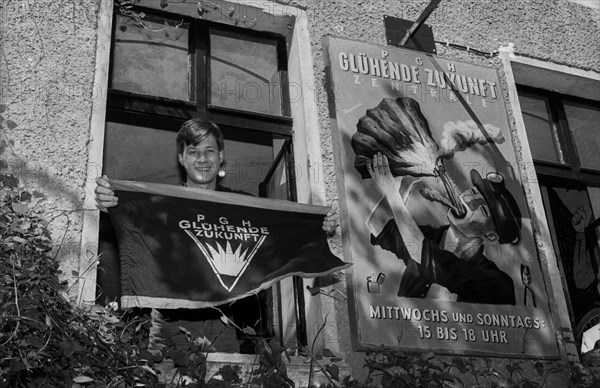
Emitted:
<point x="434" y="215"/>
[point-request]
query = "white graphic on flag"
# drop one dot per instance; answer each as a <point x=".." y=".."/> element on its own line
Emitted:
<point x="226" y="261"/>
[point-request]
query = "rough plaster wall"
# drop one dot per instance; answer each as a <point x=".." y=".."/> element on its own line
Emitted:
<point x="46" y="78"/>
<point x="555" y="31"/>
<point x="47" y="51"/>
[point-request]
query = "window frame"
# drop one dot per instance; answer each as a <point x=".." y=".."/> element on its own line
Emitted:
<point x="556" y="172"/>
<point x="199" y="103"/>
<point x="135" y="108"/>
<point x="291" y="22"/>
<point x="570" y="81"/>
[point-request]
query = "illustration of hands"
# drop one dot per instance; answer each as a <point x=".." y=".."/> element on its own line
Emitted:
<point x="579" y="219"/>
<point x="379" y="169"/>
<point x="389" y="186"/>
<point x="583" y="271"/>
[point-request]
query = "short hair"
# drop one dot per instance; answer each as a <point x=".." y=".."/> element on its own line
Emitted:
<point x="195" y="130"/>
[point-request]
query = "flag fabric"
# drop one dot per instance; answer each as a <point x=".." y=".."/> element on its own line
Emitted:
<point x="182" y="247"/>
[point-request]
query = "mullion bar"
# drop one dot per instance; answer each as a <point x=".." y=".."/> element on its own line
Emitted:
<point x="192" y="61"/>
<point x="202" y="49"/>
<point x="566" y="138"/>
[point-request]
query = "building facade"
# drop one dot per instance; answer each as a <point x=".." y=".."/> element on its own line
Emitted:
<point x="95" y="88"/>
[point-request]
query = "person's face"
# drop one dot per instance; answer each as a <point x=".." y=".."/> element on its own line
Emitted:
<point x="201" y="162"/>
<point x="478" y="220"/>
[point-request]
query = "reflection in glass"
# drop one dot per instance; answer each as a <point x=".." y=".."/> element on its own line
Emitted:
<point x="541" y="131"/>
<point x="127" y="150"/>
<point x="584" y="124"/>
<point x="276" y="186"/>
<point x="151" y="57"/>
<point x="244" y="73"/>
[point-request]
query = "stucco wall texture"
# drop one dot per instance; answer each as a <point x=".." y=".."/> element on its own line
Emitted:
<point x="47" y="54"/>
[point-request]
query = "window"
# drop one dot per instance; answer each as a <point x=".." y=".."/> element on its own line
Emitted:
<point x="563" y="134"/>
<point x="171" y="66"/>
<point x="245" y="73"/>
<point x="150" y="57"/>
<point x="564" y="137"/>
<point x="583" y="120"/>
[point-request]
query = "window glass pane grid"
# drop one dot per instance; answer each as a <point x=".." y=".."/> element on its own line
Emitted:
<point x="542" y="131"/>
<point x="244" y="73"/>
<point x="584" y="126"/>
<point x="151" y="57"/>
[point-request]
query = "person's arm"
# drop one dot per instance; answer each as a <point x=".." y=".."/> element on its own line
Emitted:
<point x="105" y="197"/>
<point x="389" y="185"/>
<point x="331" y="220"/>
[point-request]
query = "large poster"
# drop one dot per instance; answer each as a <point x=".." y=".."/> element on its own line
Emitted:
<point x="434" y="214"/>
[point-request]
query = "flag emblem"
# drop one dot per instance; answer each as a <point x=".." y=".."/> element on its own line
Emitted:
<point x="225" y="262"/>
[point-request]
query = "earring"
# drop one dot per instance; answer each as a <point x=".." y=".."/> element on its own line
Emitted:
<point x="221" y="173"/>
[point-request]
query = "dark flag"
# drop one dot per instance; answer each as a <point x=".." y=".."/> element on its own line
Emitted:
<point x="183" y="247"/>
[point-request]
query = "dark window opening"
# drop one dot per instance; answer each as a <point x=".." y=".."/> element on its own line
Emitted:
<point x="564" y="137"/>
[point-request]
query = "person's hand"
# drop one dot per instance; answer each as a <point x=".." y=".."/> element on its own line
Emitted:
<point x="379" y="169"/>
<point x="105" y="197"/>
<point x="579" y="219"/>
<point x="330" y="222"/>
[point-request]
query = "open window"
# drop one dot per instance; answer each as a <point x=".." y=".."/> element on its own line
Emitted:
<point x="167" y="67"/>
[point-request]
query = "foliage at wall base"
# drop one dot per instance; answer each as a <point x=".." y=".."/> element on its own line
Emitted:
<point x="44" y="341"/>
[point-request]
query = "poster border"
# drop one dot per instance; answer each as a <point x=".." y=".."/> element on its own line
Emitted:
<point x="357" y="342"/>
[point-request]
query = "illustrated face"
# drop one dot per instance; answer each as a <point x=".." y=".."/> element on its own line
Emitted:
<point x="201" y="162"/>
<point x="478" y="220"/>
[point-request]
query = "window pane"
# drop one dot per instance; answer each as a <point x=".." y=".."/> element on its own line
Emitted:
<point x="151" y="58"/>
<point x="247" y="162"/>
<point x="541" y="131"/>
<point x="244" y="73"/>
<point x="276" y="187"/>
<point x="584" y="123"/>
<point x="140" y="154"/>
